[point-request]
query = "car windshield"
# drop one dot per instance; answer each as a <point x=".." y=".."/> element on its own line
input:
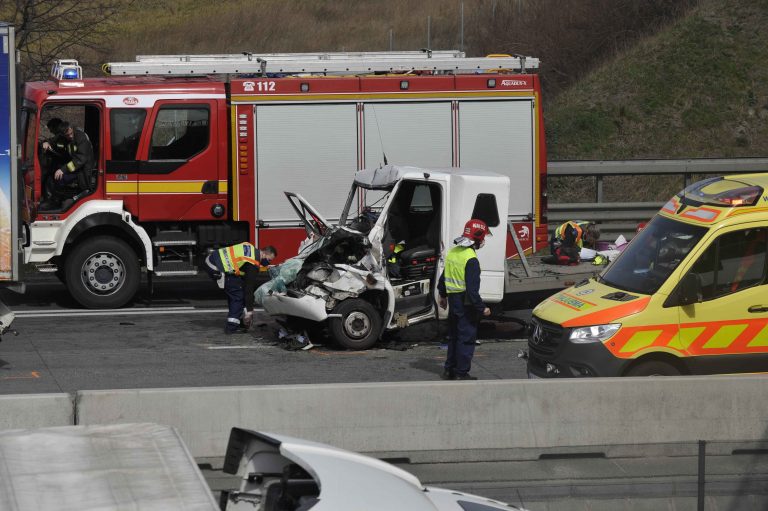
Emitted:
<point x="653" y="255"/>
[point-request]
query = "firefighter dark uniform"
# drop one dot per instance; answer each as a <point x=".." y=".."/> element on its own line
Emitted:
<point x="234" y="267"/>
<point x="77" y="164"/>
<point x="460" y="282"/>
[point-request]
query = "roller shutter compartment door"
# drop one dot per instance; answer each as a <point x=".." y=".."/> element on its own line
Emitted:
<point x="409" y="134"/>
<point x="307" y="149"/>
<point x="498" y="136"/>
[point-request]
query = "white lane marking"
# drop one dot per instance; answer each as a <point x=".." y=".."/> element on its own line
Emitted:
<point x="144" y="311"/>
<point x="232" y="347"/>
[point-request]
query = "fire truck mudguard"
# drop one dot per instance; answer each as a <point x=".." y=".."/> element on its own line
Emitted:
<point x="100" y="247"/>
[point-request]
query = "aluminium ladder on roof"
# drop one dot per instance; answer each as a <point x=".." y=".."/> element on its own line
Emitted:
<point x="440" y="62"/>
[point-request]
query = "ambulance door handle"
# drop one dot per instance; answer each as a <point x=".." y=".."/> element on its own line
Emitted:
<point x="757" y="308"/>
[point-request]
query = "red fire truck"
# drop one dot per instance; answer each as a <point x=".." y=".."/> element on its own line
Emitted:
<point x="194" y="152"/>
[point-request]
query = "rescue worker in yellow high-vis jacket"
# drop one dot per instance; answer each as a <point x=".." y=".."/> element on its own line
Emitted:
<point x="235" y="269"/>
<point x="568" y="240"/>
<point x="459" y="288"/>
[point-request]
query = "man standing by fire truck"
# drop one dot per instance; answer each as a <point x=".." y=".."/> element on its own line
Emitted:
<point x="460" y="281"/>
<point x="235" y="269"/>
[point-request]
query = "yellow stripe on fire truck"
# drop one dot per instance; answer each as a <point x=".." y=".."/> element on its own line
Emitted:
<point x="692" y="339"/>
<point x="123" y="187"/>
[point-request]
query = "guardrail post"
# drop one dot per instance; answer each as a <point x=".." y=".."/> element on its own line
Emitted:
<point x="702" y="457"/>
<point x="599" y="189"/>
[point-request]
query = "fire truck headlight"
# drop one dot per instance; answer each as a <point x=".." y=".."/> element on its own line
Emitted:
<point x="596" y="333"/>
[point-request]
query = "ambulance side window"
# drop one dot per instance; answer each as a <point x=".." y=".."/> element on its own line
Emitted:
<point x="733" y="262"/>
<point x="180" y="132"/>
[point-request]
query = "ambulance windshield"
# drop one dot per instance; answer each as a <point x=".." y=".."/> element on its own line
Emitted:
<point x="653" y="255"/>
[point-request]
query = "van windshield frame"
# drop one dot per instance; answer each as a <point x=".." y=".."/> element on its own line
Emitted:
<point x="653" y="255"/>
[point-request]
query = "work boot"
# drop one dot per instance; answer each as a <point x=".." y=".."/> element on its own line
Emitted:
<point x="465" y="377"/>
<point x="448" y="375"/>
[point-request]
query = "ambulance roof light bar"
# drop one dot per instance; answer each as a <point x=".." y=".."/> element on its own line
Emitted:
<point x="439" y="62"/>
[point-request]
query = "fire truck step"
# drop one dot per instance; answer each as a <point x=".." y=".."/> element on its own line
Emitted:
<point x="46" y="267"/>
<point x="173" y="238"/>
<point x="174" y="269"/>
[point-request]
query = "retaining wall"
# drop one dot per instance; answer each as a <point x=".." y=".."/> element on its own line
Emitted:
<point x="453" y="415"/>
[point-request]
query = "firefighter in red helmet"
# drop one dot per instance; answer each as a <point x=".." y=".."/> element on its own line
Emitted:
<point x="459" y="287"/>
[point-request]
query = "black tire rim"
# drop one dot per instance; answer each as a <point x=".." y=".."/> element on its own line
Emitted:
<point x="103" y="273"/>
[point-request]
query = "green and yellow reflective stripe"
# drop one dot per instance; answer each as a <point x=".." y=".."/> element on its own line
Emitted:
<point x="454" y="285"/>
<point x="71" y="166"/>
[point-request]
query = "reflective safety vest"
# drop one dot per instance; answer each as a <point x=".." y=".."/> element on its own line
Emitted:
<point x="455" y="266"/>
<point x="233" y="258"/>
<point x="398" y="248"/>
<point x="578" y="226"/>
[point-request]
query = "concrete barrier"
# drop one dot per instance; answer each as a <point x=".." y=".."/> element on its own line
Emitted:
<point x="26" y="411"/>
<point x="418" y="416"/>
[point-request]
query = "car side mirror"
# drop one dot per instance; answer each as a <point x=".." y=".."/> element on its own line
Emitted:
<point x="689" y="290"/>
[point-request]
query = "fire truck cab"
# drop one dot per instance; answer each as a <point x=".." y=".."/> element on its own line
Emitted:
<point x="194" y="153"/>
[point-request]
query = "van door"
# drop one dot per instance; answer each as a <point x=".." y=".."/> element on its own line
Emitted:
<point x="727" y="332"/>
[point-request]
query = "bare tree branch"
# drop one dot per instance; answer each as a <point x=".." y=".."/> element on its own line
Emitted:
<point x="50" y="29"/>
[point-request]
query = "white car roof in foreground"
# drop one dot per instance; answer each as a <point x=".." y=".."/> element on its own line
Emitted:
<point x="350" y="481"/>
<point x="120" y="466"/>
<point x="388" y="175"/>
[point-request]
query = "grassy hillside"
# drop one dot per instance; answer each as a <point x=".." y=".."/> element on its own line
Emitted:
<point x="699" y="88"/>
<point x="569" y="36"/>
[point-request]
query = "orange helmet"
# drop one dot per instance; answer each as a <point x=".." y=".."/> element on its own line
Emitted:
<point x="476" y="230"/>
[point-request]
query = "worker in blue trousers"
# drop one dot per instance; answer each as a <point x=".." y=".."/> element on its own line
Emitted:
<point x="235" y="269"/>
<point x="459" y="289"/>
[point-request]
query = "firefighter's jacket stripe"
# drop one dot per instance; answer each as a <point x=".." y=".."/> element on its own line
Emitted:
<point x="455" y="265"/>
<point x="235" y="257"/>
<point x="578" y="226"/>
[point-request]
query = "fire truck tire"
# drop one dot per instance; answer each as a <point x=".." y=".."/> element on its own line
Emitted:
<point x="358" y="327"/>
<point x="653" y="368"/>
<point x="102" y="273"/>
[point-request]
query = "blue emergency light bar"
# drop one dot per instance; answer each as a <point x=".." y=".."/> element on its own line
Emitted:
<point x="66" y="70"/>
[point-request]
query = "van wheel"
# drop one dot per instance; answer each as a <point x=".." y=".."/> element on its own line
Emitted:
<point x="359" y="325"/>
<point x="654" y="368"/>
<point x="102" y="273"/>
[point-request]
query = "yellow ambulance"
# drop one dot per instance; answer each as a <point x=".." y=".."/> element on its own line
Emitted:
<point x="689" y="294"/>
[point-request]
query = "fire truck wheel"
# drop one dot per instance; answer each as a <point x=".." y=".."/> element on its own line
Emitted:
<point x="102" y="273"/>
<point x="653" y="368"/>
<point x="359" y="325"/>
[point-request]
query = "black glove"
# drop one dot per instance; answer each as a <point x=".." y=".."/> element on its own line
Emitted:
<point x="216" y="275"/>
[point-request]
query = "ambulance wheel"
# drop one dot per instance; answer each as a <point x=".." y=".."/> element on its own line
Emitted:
<point x="653" y="368"/>
<point x="102" y="273"/>
<point x="358" y="327"/>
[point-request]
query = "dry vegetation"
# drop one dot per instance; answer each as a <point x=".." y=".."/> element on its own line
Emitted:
<point x="570" y="36"/>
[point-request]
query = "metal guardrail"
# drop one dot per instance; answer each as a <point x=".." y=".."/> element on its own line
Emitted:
<point x="624" y="216"/>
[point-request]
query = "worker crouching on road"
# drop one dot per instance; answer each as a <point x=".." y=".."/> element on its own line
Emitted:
<point x="459" y="287"/>
<point x="568" y="240"/>
<point x="235" y="269"/>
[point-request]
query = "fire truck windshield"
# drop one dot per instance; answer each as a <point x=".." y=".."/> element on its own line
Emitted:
<point x="653" y="255"/>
